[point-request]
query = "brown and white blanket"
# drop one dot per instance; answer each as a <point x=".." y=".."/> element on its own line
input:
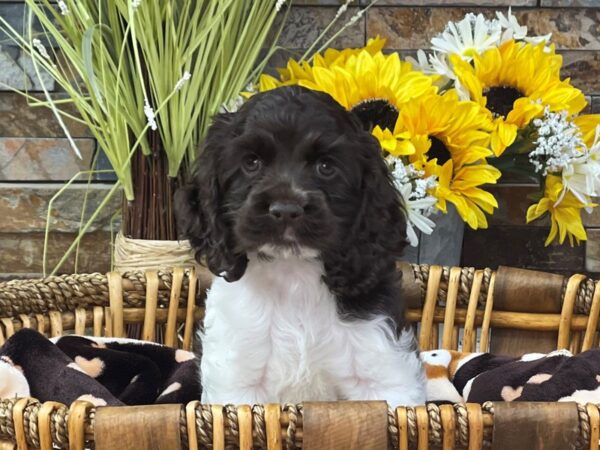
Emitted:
<point x="479" y="377"/>
<point x="104" y="371"/>
<point x="108" y="371"/>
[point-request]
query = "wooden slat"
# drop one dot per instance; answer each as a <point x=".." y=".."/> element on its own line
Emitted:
<point x="115" y="292"/>
<point x="564" y="329"/>
<point x="453" y="285"/>
<point x="218" y="427"/>
<point x="433" y="284"/>
<point x="273" y="426"/>
<point x="594" y="416"/>
<point x="435" y="336"/>
<point x="56" y="327"/>
<point x="45" y="424"/>
<point x="155" y="427"/>
<point x="149" y="332"/>
<point x="402" y="418"/>
<point x="190" y="307"/>
<point x="349" y="425"/>
<point x="98" y="315"/>
<point x="422" y="428"/>
<point x="25" y="320"/>
<point x="475" y="418"/>
<point x="484" y="344"/>
<point x="76" y="424"/>
<point x="469" y="332"/>
<point x="525" y="291"/>
<point x="190" y="414"/>
<point x="19" y="423"/>
<point x="108" y="327"/>
<point x="171" y="329"/>
<point x="245" y="426"/>
<point x="41" y="323"/>
<point x="575" y="344"/>
<point x="80" y="316"/>
<point x="9" y="327"/>
<point x="592" y="324"/>
<point x="448" y="427"/>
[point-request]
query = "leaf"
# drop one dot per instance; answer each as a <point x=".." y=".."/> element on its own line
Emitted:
<point x="88" y="60"/>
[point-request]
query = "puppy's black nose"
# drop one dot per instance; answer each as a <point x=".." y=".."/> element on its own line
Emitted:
<point x="286" y="211"/>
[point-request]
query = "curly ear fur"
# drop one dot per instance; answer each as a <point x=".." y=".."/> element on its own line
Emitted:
<point x="365" y="263"/>
<point x="199" y="209"/>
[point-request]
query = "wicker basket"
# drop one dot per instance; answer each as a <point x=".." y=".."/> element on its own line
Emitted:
<point x="507" y="311"/>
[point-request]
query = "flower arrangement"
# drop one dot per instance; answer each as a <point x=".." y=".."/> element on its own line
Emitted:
<point x="486" y="99"/>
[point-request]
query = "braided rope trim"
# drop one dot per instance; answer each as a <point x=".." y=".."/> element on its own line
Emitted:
<point x="583" y="300"/>
<point x="68" y="292"/>
<point x="291" y="424"/>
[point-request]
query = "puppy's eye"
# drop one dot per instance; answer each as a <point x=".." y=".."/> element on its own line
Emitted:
<point x="325" y="168"/>
<point x="252" y="163"/>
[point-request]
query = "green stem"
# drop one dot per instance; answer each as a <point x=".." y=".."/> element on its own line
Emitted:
<point x="49" y="212"/>
<point x="91" y="220"/>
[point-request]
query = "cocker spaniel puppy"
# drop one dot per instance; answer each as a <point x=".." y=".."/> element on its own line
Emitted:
<point x="293" y="208"/>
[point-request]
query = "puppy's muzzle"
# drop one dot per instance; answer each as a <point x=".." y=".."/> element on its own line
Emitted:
<point x="286" y="211"/>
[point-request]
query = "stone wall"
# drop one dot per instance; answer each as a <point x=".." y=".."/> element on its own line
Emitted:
<point x="35" y="158"/>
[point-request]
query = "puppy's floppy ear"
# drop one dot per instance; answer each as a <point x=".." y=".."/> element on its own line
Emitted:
<point x="383" y="218"/>
<point x="199" y="209"/>
<point x="378" y="235"/>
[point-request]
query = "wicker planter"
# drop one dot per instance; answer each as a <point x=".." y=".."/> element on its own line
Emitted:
<point x="515" y="310"/>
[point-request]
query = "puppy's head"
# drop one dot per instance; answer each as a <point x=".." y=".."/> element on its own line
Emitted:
<point x="292" y="171"/>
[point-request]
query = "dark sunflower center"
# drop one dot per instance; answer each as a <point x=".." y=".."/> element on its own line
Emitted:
<point x="438" y="150"/>
<point x="500" y="99"/>
<point x="376" y="112"/>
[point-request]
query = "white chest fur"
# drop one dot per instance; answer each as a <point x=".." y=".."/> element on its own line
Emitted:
<point x="275" y="336"/>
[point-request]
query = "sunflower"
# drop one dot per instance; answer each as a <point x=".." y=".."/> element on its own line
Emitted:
<point x="449" y="139"/>
<point x="515" y="82"/>
<point x="565" y="216"/>
<point x="303" y="70"/>
<point x="371" y="84"/>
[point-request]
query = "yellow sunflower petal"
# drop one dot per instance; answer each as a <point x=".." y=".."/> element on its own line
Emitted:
<point x="504" y="135"/>
<point x="588" y="124"/>
<point x="267" y="82"/>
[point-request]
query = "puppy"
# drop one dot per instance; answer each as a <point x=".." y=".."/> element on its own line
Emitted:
<point x="293" y="208"/>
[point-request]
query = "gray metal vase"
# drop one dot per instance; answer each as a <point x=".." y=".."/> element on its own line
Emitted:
<point x="443" y="246"/>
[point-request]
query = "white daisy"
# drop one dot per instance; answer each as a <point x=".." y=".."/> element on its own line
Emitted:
<point x="514" y="30"/>
<point x="421" y="63"/>
<point x="418" y="204"/>
<point x="472" y="35"/>
<point x="416" y="218"/>
<point x="582" y="176"/>
<point x="511" y="26"/>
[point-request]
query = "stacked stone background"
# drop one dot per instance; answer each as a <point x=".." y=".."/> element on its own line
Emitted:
<point x="35" y="158"/>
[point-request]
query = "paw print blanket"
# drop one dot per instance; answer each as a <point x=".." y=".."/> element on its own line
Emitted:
<point x="479" y="377"/>
<point x="104" y="371"/>
<point x="109" y="371"/>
